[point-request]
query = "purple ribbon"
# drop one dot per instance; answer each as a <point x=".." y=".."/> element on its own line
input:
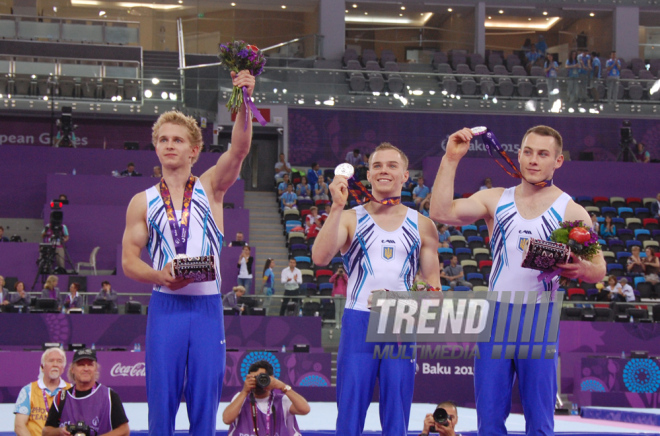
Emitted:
<point x="248" y="101"/>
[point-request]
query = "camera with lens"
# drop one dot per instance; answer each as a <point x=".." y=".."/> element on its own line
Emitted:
<point x="80" y="429"/>
<point x="626" y="132"/>
<point x="263" y="380"/>
<point x="441" y="417"/>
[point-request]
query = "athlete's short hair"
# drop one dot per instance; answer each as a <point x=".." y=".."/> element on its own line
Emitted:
<point x="387" y="146"/>
<point x="546" y="131"/>
<point x="176" y="117"/>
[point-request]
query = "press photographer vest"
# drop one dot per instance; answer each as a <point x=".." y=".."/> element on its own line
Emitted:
<point x="243" y="425"/>
<point x="94" y="409"/>
<point x="204" y="238"/>
<point x="38" y="408"/>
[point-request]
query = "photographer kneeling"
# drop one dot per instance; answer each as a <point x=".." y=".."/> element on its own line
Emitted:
<point x="88" y="408"/>
<point x="443" y="420"/>
<point x="259" y="410"/>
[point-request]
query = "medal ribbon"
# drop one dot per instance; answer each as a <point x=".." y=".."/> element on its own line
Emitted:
<point x="362" y="194"/>
<point x="491" y="143"/>
<point x="179" y="230"/>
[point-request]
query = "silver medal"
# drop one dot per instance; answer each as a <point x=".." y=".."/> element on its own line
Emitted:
<point x="479" y="130"/>
<point x="345" y="170"/>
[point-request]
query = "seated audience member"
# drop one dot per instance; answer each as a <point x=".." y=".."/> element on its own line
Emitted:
<point x="595" y="225"/>
<point x="304" y="190"/>
<point x="4" y="295"/>
<point x="239" y="240"/>
<point x="624" y="292"/>
<point x="453" y="273"/>
<point x="313" y="174"/>
<point x="231" y="299"/>
<point x="608" y="229"/>
<point x="282" y="167"/>
<point x="488" y="183"/>
<point x="73" y="299"/>
<point x="354" y="158"/>
<point x="281" y="188"/>
<point x="651" y="266"/>
<point x="107" y="294"/>
<point x="655" y="207"/>
<point x="35" y="398"/>
<point x="635" y="265"/>
<point x="3" y="238"/>
<point x="289" y="198"/>
<point x="425" y="205"/>
<point x="51" y="290"/>
<point x="252" y="407"/>
<point x="130" y="171"/>
<point x="158" y="173"/>
<point x="444" y="428"/>
<point x="20" y="298"/>
<point x="86" y="401"/>
<point x="420" y="192"/>
<point x="613" y="287"/>
<point x="313" y="222"/>
<point x="641" y="153"/>
<point x="321" y="190"/>
<point x="443" y="235"/>
<point x="326" y="211"/>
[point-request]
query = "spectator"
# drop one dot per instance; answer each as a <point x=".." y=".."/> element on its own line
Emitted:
<point x="612" y="73"/>
<point x="158" y="173"/>
<point x="291" y="279"/>
<point x="454" y="274"/>
<point x="603" y="294"/>
<point x="59" y="238"/>
<point x="3" y="238"/>
<point x="584" y="70"/>
<point x="51" y="290"/>
<point x="321" y="190"/>
<point x="130" y="171"/>
<point x="231" y="299"/>
<point x="314" y="173"/>
<point x="20" y="298"/>
<point x="532" y="56"/>
<point x="84" y="373"/>
<point x="282" y="167"/>
<point x="651" y="266"/>
<point x="541" y="45"/>
<point x="361" y="171"/>
<point x="326" y="212"/>
<point x="420" y="192"/>
<point x="313" y="222"/>
<point x="527" y="45"/>
<point x="641" y="153"/>
<point x="425" y="205"/>
<point x="443" y="235"/>
<point x="269" y="277"/>
<point x="4" y="295"/>
<point x="635" y="265"/>
<point x="624" y="292"/>
<point x="409" y="184"/>
<point x="488" y="184"/>
<point x="239" y="240"/>
<point x="245" y="261"/>
<point x="73" y="300"/>
<point x="551" y="68"/>
<point x="573" y="75"/>
<point x="281" y="188"/>
<point x="613" y="287"/>
<point x="596" y="70"/>
<point x="340" y="281"/>
<point x="289" y="198"/>
<point x="446" y="429"/>
<point x="655" y="207"/>
<point x="608" y="229"/>
<point x="354" y="158"/>
<point x="304" y="190"/>
<point x="595" y="225"/>
<point x="252" y="407"/>
<point x="35" y="398"/>
<point x="107" y="294"/>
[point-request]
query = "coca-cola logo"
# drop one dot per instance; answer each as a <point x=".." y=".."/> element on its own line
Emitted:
<point x="119" y="370"/>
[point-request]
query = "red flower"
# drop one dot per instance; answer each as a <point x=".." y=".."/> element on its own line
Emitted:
<point x="580" y="235"/>
<point x="254" y="48"/>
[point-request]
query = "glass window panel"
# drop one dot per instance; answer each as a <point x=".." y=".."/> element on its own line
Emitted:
<point x="82" y="33"/>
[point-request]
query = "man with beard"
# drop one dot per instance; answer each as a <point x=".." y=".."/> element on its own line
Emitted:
<point x="35" y="399"/>
<point x="260" y="409"/>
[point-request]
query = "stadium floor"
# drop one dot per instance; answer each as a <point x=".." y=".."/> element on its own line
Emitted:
<point x="321" y="421"/>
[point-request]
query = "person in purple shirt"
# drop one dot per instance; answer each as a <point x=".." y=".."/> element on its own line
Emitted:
<point x="272" y="407"/>
<point x="98" y="406"/>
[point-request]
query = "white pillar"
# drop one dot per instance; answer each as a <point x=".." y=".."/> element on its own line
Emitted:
<point x="480" y="28"/>
<point x="626" y="32"/>
<point x="333" y="28"/>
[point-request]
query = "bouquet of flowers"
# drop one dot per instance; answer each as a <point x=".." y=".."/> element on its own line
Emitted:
<point x="582" y="240"/>
<point x="239" y="56"/>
